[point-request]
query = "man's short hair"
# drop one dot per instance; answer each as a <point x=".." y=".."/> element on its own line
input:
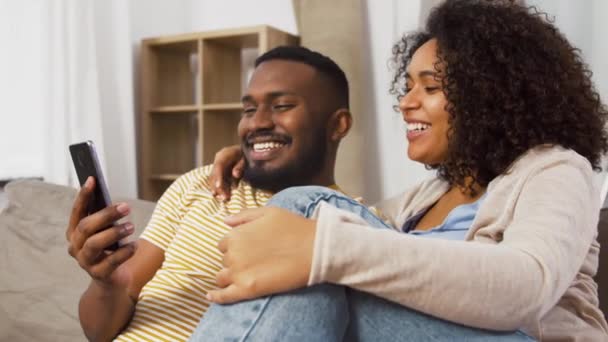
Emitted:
<point x="321" y="63"/>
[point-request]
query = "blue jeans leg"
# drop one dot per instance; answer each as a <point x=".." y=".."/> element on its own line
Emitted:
<point x="376" y="319"/>
<point x="317" y="313"/>
<point x="328" y="312"/>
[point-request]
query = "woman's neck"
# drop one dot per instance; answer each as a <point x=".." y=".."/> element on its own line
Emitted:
<point x="466" y="193"/>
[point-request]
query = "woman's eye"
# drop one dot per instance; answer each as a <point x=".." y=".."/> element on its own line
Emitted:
<point x="431" y="89"/>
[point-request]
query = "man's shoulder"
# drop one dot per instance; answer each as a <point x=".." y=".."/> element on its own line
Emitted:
<point x="199" y="181"/>
<point x="195" y="179"/>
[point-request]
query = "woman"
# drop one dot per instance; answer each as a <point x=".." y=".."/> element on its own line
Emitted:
<point x="504" y="238"/>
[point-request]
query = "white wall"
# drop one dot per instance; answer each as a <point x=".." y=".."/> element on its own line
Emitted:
<point x="599" y="46"/>
<point x="599" y="65"/>
<point x="387" y="20"/>
<point x="215" y="15"/>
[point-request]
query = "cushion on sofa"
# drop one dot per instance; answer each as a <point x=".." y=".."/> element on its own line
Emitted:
<point x="40" y="284"/>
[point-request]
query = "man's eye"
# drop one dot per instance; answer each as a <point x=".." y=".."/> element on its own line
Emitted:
<point x="282" y="107"/>
<point x="249" y="110"/>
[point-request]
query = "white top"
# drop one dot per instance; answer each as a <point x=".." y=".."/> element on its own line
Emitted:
<point x="527" y="262"/>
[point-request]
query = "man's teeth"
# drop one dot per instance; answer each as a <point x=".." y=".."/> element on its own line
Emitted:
<point x="417" y="126"/>
<point x="267" y="146"/>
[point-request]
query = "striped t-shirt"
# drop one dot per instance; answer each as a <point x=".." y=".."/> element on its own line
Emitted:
<point x="187" y="224"/>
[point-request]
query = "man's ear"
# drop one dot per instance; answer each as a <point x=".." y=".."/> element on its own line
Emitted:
<point x="341" y="122"/>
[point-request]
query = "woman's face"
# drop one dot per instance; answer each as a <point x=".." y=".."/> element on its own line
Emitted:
<point x="423" y="108"/>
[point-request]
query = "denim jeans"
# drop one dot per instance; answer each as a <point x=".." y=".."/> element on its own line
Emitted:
<point x="328" y="312"/>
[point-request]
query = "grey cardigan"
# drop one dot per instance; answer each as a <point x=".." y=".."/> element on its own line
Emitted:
<point x="527" y="262"/>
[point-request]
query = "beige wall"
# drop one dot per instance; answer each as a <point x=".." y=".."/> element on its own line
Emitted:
<point x="334" y="28"/>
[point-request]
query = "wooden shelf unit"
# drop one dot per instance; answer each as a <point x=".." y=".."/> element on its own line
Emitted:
<point x="190" y="92"/>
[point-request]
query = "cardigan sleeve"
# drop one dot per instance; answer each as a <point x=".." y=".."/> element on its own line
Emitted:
<point x="501" y="285"/>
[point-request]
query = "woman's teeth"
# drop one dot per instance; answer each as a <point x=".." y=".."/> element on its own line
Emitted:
<point x="417" y="126"/>
<point x="267" y="146"/>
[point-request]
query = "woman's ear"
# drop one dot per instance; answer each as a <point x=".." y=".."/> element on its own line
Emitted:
<point x="341" y="123"/>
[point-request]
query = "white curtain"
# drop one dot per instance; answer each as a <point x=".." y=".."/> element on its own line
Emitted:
<point x="50" y="85"/>
<point x="68" y="77"/>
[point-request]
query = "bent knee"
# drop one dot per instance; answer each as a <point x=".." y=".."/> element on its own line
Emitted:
<point x="304" y="192"/>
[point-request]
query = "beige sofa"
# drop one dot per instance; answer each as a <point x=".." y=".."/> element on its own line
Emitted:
<point x="40" y="284"/>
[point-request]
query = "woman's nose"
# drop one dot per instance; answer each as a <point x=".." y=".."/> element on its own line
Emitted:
<point x="409" y="102"/>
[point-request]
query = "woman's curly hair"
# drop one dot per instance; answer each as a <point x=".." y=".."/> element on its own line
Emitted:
<point x="512" y="82"/>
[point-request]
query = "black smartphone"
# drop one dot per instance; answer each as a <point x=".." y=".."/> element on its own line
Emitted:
<point x="87" y="164"/>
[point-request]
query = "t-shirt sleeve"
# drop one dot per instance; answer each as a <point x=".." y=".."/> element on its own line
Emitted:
<point x="164" y="224"/>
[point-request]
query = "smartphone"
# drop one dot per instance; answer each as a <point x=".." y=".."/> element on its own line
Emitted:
<point x="87" y="164"/>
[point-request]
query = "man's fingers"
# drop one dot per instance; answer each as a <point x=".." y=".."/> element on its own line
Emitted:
<point x="227" y="295"/>
<point x="103" y="270"/>
<point x="245" y="216"/>
<point x="95" y="245"/>
<point x="79" y="208"/>
<point x="100" y="220"/>
<point x="223" y="278"/>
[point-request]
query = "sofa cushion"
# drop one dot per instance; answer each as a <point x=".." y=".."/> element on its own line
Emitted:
<point x="41" y="284"/>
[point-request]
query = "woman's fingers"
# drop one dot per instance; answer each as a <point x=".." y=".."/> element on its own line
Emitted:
<point x="216" y="179"/>
<point x="246" y="216"/>
<point x="225" y="162"/>
<point x="223" y="278"/>
<point x="237" y="170"/>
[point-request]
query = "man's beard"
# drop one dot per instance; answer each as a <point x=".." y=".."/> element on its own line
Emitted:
<point x="298" y="172"/>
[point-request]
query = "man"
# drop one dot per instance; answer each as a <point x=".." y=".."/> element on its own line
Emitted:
<point x="295" y="112"/>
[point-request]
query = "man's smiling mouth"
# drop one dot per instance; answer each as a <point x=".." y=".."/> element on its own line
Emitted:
<point x="267" y="146"/>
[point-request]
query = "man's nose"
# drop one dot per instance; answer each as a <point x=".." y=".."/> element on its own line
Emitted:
<point x="262" y="118"/>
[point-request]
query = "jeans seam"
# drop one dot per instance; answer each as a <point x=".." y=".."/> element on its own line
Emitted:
<point x="327" y="196"/>
<point x="255" y="321"/>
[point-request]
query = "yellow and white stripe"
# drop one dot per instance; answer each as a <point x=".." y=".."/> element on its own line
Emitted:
<point x="187" y="224"/>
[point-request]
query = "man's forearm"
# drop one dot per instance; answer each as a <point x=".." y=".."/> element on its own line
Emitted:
<point x="104" y="311"/>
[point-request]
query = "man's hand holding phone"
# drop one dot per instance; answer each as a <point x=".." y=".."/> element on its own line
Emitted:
<point x="89" y="238"/>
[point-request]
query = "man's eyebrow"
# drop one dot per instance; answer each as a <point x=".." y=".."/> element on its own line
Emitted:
<point x="271" y="95"/>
